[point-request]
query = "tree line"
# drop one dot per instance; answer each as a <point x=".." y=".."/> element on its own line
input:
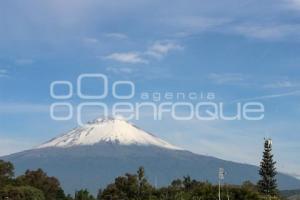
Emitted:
<point x="37" y="185"/>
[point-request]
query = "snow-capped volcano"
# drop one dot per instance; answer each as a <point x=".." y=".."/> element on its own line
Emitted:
<point x="115" y="131"/>
<point x="93" y="155"/>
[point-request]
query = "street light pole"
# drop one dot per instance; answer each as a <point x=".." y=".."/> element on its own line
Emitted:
<point x="221" y="177"/>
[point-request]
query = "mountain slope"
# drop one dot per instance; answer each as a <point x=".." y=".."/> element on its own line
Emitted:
<point x="81" y="162"/>
<point x="291" y="194"/>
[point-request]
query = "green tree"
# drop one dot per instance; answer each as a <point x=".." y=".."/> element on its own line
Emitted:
<point x="39" y="179"/>
<point x="144" y="188"/>
<point x="83" y="195"/>
<point x="248" y="185"/>
<point x="6" y="172"/>
<point x="21" y="193"/>
<point x="130" y="186"/>
<point x="99" y="194"/>
<point x="267" y="184"/>
<point x="69" y="197"/>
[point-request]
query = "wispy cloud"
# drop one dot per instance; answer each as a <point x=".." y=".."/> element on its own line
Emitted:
<point x="90" y="40"/>
<point x="238" y="79"/>
<point x="120" y="70"/>
<point x="227" y="78"/>
<point x="127" y="57"/>
<point x="263" y="30"/>
<point x="271" y="96"/>
<point x="119" y="36"/>
<point x="267" y="31"/>
<point x="282" y="84"/>
<point x="162" y="48"/>
<point x="197" y="23"/>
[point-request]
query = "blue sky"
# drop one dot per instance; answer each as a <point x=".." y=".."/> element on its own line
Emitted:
<point x="236" y="49"/>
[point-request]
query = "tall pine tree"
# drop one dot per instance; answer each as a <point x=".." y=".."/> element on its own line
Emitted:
<point x="268" y="184"/>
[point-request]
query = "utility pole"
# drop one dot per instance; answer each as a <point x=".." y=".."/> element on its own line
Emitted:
<point x="221" y="177"/>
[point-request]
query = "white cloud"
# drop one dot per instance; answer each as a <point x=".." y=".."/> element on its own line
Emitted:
<point x="267" y="32"/>
<point x="197" y="23"/>
<point x="127" y="57"/>
<point x="90" y="40"/>
<point x="282" y="84"/>
<point x="227" y="78"/>
<point x="120" y="70"/>
<point x="157" y="50"/>
<point x="162" y="48"/>
<point x="119" y="36"/>
<point x="247" y="80"/>
<point x="271" y="96"/>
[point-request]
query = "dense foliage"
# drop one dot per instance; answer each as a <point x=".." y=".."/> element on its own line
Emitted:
<point x="83" y="195"/>
<point x="36" y="185"/>
<point x="21" y="193"/>
<point x="6" y="172"/>
<point x="33" y="185"/>
<point x="39" y="179"/>
<point x="291" y="193"/>
<point x="136" y="186"/>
